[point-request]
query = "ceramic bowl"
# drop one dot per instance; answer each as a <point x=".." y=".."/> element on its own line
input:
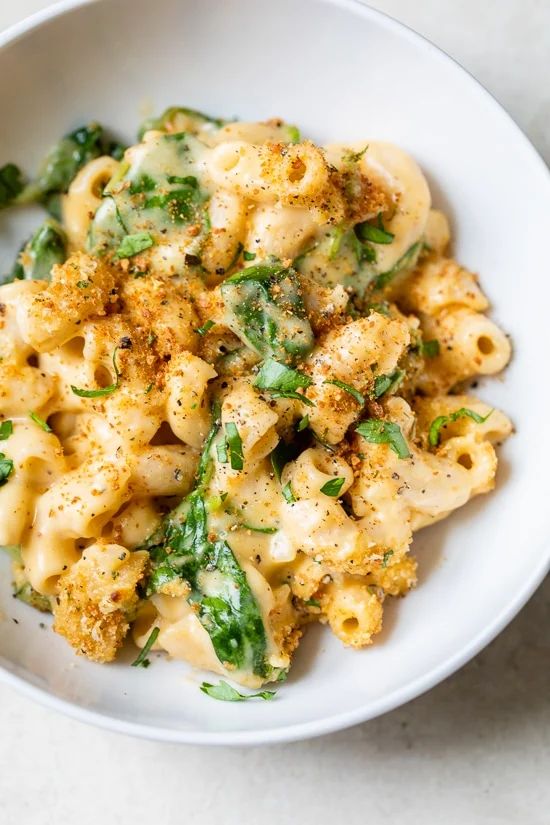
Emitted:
<point x="340" y="71"/>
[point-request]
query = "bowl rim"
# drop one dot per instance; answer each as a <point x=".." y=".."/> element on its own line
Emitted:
<point x="411" y="690"/>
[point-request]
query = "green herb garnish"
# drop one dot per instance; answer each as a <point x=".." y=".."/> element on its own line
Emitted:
<point x="283" y="382"/>
<point x="40" y="421"/>
<point x="406" y="261"/>
<point x="221" y="451"/>
<point x="6" y="469"/>
<point x="142" y="660"/>
<point x="354" y="157"/>
<point x="249" y="256"/>
<point x="377" y="431"/>
<point x="349" y="389"/>
<point x="293" y="133"/>
<point x="336" y="237"/>
<point x="385" y="383"/>
<point x="375" y="234"/>
<point x="179" y="203"/>
<point x="382" y="307"/>
<point x="205" y="327"/>
<point x="302" y="424"/>
<point x="333" y="487"/>
<point x="234" y="445"/>
<point x="429" y="349"/>
<point x="165" y="119"/>
<point x="6" y="429"/>
<point x="226" y="693"/>
<point x="144" y="183"/>
<point x="104" y="390"/>
<point x="434" y="433"/>
<point x="187" y="180"/>
<point x="134" y="244"/>
<point x="386" y="557"/>
<point x="268" y="530"/>
<point x="288" y="495"/>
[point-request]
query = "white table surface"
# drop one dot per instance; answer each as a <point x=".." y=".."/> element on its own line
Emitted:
<point x="475" y="750"/>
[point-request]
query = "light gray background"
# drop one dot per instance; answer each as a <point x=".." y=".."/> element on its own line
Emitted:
<point x="474" y="750"/>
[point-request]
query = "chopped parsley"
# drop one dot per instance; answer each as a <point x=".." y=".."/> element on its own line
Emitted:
<point x="134" y="244"/>
<point x="142" y="660"/>
<point x="226" y="693"/>
<point x="302" y="424"/>
<point x="333" y="487"/>
<point x="375" y="234"/>
<point x="104" y="390"/>
<point x="288" y="495"/>
<point x="349" y="389"/>
<point x="188" y="180"/>
<point x="282" y="382"/>
<point x="434" y="433"/>
<point x="40" y="421"/>
<point x="335" y="244"/>
<point x="385" y="383"/>
<point x="144" y="183"/>
<point x="382" y="307"/>
<point x="354" y="157"/>
<point x="386" y="557"/>
<point x="406" y="261"/>
<point x="6" y="429"/>
<point x="234" y="446"/>
<point x="429" y="349"/>
<point x="249" y="256"/>
<point x="205" y="327"/>
<point x="6" y="469"/>
<point x="268" y="530"/>
<point x="377" y="431"/>
<point x="221" y="450"/>
<point x="293" y="133"/>
<point x="362" y="249"/>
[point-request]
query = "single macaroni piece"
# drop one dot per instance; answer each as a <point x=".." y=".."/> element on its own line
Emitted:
<point x="351" y="354"/>
<point x="79" y="289"/>
<point x="353" y="610"/>
<point x="84" y="198"/>
<point x="187" y="403"/>
<point x="440" y="283"/>
<point x="470" y="344"/>
<point x="227" y="216"/>
<point x="272" y="172"/>
<point x="232" y="387"/>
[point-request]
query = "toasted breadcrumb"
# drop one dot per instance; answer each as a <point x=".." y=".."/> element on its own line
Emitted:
<point x="97" y="599"/>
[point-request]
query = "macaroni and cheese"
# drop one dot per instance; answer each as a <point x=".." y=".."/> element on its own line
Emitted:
<point x="233" y="383"/>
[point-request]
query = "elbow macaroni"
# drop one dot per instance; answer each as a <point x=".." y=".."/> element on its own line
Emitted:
<point x="315" y="477"/>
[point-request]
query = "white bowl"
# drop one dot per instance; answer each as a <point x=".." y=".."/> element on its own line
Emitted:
<point x="340" y="70"/>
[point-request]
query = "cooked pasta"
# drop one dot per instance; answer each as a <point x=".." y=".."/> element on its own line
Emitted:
<point x="233" y="384"/>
